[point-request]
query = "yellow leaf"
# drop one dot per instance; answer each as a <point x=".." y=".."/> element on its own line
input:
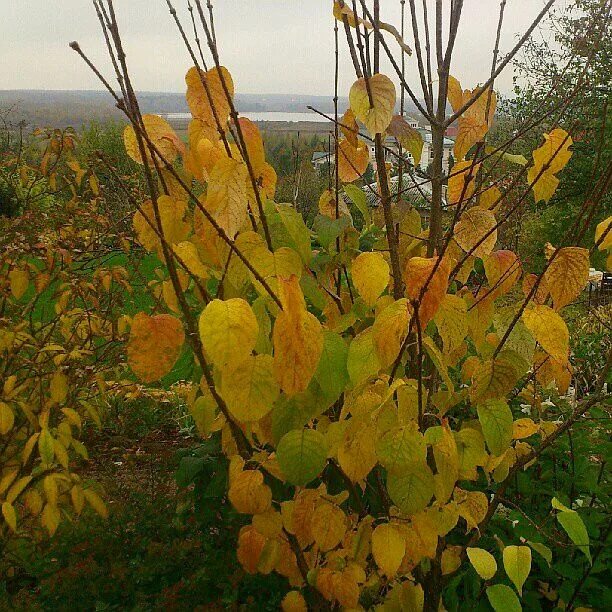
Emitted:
<point x="174" y="227"/>
<point x="390" y="329"/>
<point x="327" y="205"/>
<point x="248" y="493"/>
<point x="603" y="235"/>
<point x="503" y="270"/>
<point x="474" y="123"/>
<point x="7" y="418"/>
<point x="249" y="387"/>
<point x="10" y="516"/>
<point x="50" y="518"/>
<point x="473" y="506"/>
<point x="524" y="428"/>
<point x="417" y="272"/>
<point x="555" y="151"/>
<point x="388" y="548"/>
<point x="567" y="275"/>
<point x="294" y="602"/>
<point x="545" y="186"/>
<point x="370" y="274"/>
<point x="154" y="346"/>
<point x="46" y="447"/>
<point x="95" y="501"/>
<point x="376" y="116"/>
<point x="58" y="387"/>
<point x="357" y="452"/>
<point x="250" y="548"/>
<point x="349" y="127"/>
<point x="549" y="329"/>
<point x="408" y="137"/>
<point x="226" y="198"/>
<point x="297" y="339"/>
<point x="476" y="232"/>
<point x="198" y="94"/>
<point x="353" y="160"/>
<point x="462" y="181"/>
<point x="494" y="378"/>
<point x="328" y="526"/>
<point x="188" y="254"/>
<point x="496" y="420"/>
<point x="451" y="321"/>
<point x="483" y="562"/>
<point x="19" y="281"/>
<point x="78" y="498"/>
<point x="160" y="133"/>
<point x="228" y="330"/>
<point x="517" y="563"/>
<point x="254" y="143"/>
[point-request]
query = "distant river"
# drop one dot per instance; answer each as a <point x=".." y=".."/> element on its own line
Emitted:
<point x="264" y="116"/>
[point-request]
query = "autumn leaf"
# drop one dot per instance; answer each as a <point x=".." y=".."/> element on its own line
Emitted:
<point x="371" y="276"/>
<point x="353" y="160"/>
<point x="228" y="329"/>
<point x="388" y="548"/>
<point x="201" y="85"/>
<point x="408" y="137"/>
<point x="160" y="134"/>
<point x="567" y="275"/>
<point x="462" y="182"/>
<point x="416" y="274"/>
<point x="549" y="329"/>
<point x="476" y="232"/>
<point x="297" y="339"/>
<point x="377" y="115"/>
<point x="301" y="455"/>
<point x="154" y="345"/>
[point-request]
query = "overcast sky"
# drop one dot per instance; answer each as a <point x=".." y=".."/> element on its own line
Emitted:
<point x="270" y="46"/>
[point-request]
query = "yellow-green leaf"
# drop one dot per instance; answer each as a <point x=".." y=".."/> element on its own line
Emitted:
<point x="496" y="420"/>
<point x="411" y="490"/>
<point x="376" y="116"/>
<point x="517" y="563"/>
<point x="301" y="455"/>
<point x="549" y="329"/>
<point x="388" y="548"/>
<point x="483" y="562"/>
<point x="7" y="418"/>
<point x="249" y="387"/>
<point x="9" y="514"/>
<point x="228" y="330"/>
<point x="503" y="599"/>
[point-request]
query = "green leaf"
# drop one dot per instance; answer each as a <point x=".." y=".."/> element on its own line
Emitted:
<point x="574" y="527"/>
<point x="331" y="373"/>
<point x="542" y="549"/>
<point x="359" y="199"/>
<point x="503" y="599"/>
<point x="327" y="230"/>
<point x="411" y="490"/>
<point x="483" y="562"/>
<point x="496" y="421"/>
<point x="46" y="447"/>
<point x="301" y="455"/>
<point x="287" y="228"/>
<point x="517" y="563"/>
<point x="188" y="469"/>
<point x="400" y="447"/>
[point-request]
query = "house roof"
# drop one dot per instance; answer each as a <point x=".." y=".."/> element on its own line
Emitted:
<point x="413" y="189"/>
<point x="318" y="155"/>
